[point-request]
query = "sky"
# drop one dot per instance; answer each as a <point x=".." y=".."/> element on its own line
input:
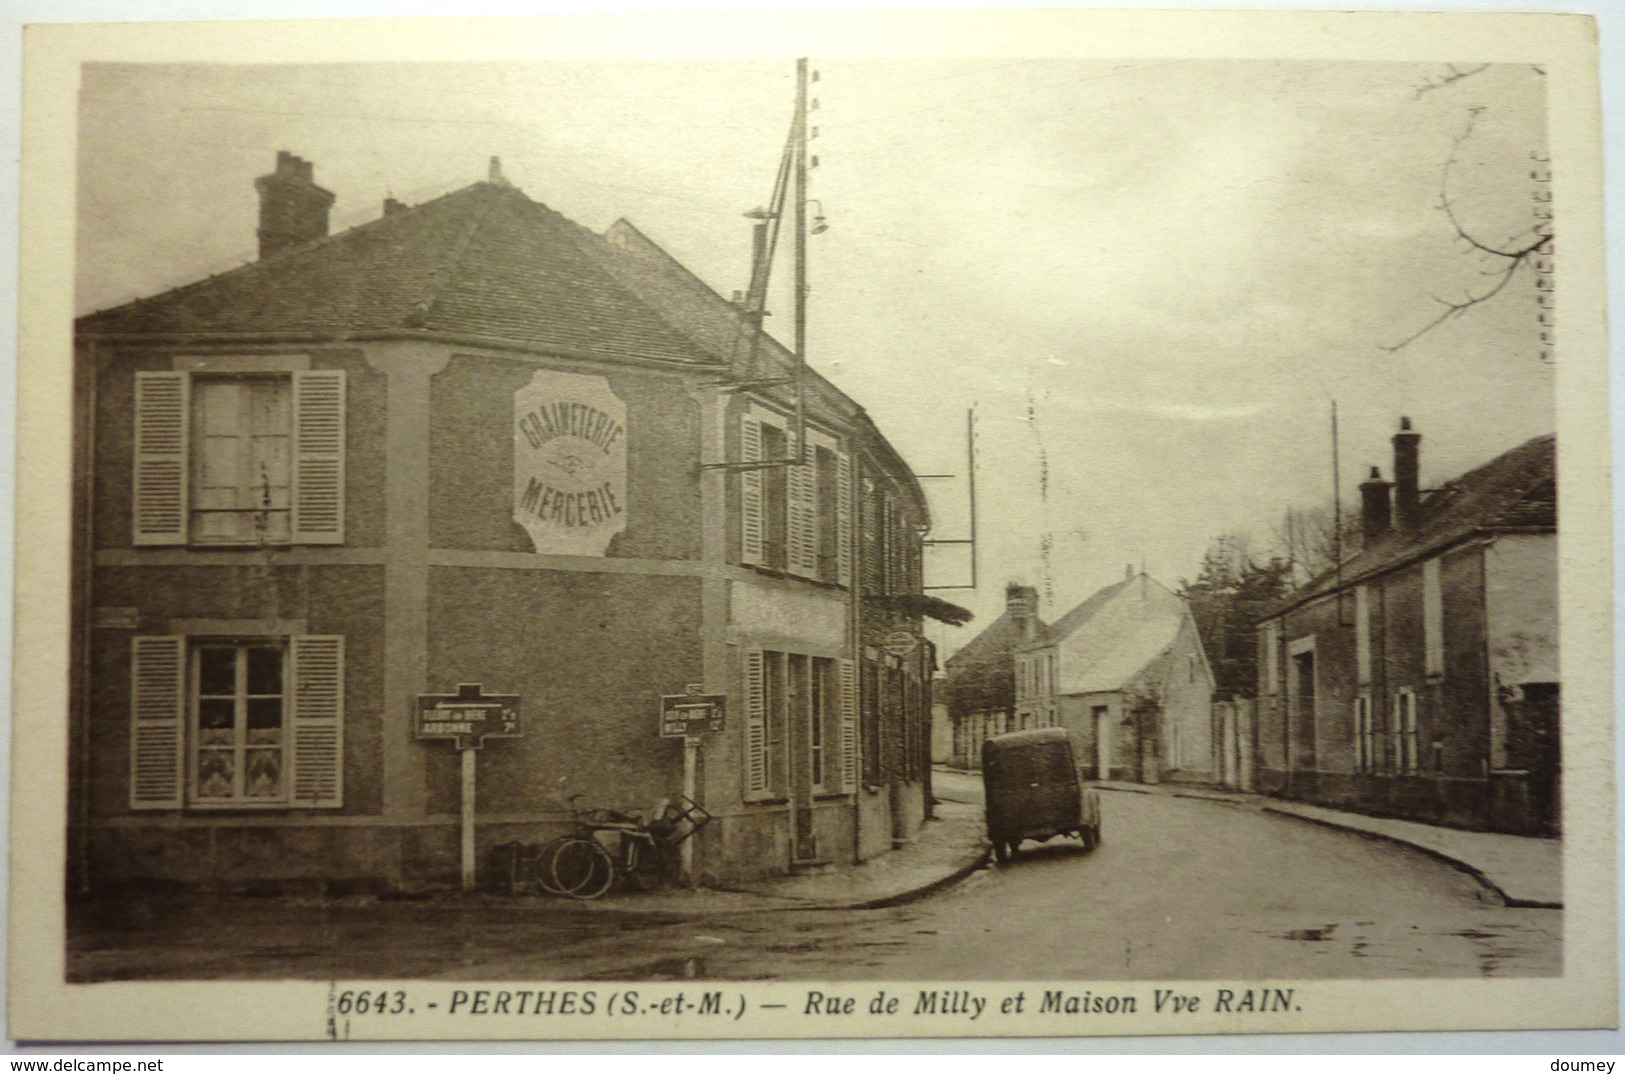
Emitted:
<point x="1149" y="279"/>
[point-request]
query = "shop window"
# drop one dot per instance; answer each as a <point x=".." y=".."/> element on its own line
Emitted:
<point x="243" y="459"/>
<point x="236" y="722"/>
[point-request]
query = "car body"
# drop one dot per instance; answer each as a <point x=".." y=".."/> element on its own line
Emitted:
<point x="1034" y="789"/>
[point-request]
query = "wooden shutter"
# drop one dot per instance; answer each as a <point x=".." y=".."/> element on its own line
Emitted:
<point x="849" y="726"/>
<point x="318" y="457"/>
<point x="157" y="721"/>
<point x="750" y="492"/>
<point x="755" y="726"/>
<point x="317" y="726"/>
<point x="158" y="514"/>
<point x="802" y="524"/>
<point x="843" y="519"/>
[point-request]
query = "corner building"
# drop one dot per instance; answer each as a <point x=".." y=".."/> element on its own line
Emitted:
<point x="472" y="442"/>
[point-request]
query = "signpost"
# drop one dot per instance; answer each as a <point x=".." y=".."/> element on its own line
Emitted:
<point x="469" y="717"/>
<point x="687" y="716"/>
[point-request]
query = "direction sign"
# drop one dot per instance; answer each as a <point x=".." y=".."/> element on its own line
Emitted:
<point x="686" y="715"/>
<point x="469" y="716"/>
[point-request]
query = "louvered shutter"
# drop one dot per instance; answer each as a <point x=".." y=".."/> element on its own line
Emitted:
<point x="755" y="726"/>
<point x="158" y="514"/>
<point x="318" y="457"/>
<point x="802" y="492"/>
<point x="157" y="720"/>
<point x="849" y="725"/>
<point x="843" y="519"/>
<point x="750" y="492"/>
<point x="317" y="743"/>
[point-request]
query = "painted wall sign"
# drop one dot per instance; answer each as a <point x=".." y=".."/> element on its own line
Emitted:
<point x="569" y="463"/>
<point x="470" y="716"/>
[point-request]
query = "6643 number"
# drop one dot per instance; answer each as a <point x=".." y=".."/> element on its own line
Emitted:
<point x="365" y="1002"/>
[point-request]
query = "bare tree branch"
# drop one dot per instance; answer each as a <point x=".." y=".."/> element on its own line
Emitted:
<point x="1513" y="256"/>
<point x="1455" y="75"/>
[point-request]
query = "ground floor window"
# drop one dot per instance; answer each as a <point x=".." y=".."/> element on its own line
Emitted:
<point x="1406" y="754"/>
<point x="1364" y="740"/>
<point x="236" y="721"/>
<point x="800" y="724"/>
<point x="239" y="735"/>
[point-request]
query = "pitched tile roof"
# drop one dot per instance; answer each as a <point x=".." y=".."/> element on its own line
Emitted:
<point x="1111" y="637"/>
<point x="996" y="641"/>
<point x="484" y="261"/>
<point x="1513" y="492"/>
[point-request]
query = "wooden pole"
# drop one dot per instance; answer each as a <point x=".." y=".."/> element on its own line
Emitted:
<point x="468" y="818"/>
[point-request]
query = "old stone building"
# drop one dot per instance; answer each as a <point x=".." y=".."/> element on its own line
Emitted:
<point x="1421" y="678"/>
<point x="470" y="442"/>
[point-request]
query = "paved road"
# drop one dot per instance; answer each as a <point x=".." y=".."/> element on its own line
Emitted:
<point x="1182" y="888"/>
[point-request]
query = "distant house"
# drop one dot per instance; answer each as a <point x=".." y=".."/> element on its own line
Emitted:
<point x="980" y="681"/>
<point x="1420" y="679"/>
<point x="1125" y="672"/>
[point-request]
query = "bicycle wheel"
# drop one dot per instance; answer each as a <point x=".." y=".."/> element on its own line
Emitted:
<point x="581" y="869"/>
<point x="535" y="867"/>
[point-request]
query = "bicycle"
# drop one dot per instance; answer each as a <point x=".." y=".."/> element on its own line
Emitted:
<point x="579" y="865"/>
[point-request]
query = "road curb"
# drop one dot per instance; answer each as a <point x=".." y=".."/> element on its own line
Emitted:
<point x="1265" y="805"/>
<point x="1433" y="852"/>
<point x="965" y="868"/>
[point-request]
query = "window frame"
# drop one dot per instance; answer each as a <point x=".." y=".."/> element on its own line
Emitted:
<point x="166" y="467"/>
<point x="241" y="697"/>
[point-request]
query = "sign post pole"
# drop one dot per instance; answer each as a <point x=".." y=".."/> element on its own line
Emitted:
<point x="467" y="717"/>
<point x="691" y="764"/>
<point x="688" y="716"/>
<point x="469" y="754"/>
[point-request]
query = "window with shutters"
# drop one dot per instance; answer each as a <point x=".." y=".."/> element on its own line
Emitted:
<point x="785" y="691"/>
<point x="1407" y="756"/>
<point x="237" y="722"/>
<point x="239" y="459"/>
<point x="794" y="518"/>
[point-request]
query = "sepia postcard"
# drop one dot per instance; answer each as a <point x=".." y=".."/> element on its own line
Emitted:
<point x="912" y="524"/>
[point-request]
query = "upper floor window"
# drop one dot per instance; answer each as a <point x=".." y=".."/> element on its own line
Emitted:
<point x="239" y="459"/>
<point x="794" y="517"/>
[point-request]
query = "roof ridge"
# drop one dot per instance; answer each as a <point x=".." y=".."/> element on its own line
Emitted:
<point x="274" y="260"/>
<point x="419" y="314"/>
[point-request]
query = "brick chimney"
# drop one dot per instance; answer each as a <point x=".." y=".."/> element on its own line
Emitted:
<point x="1407" y="485"/>
<point x="1021" y="604"/>
<point x="1376" y="513"/>
<point x="293" y="209"/>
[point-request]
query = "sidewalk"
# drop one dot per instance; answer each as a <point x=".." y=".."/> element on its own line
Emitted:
<point x="945" y="851"/>
<point x="1523" y="870"/>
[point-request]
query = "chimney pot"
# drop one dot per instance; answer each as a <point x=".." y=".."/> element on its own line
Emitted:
<point x="391" y="206"/>
<point x="1376" y="515"/>
<point x="1407" y="477"/>
<point x="293" y="209"/>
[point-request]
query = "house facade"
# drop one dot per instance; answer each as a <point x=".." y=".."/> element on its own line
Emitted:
<point x="1126" y="674"/>
<point x="1421" y="678"/>
<point x="471" y="443"/>
<point x="980" y="678"/>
